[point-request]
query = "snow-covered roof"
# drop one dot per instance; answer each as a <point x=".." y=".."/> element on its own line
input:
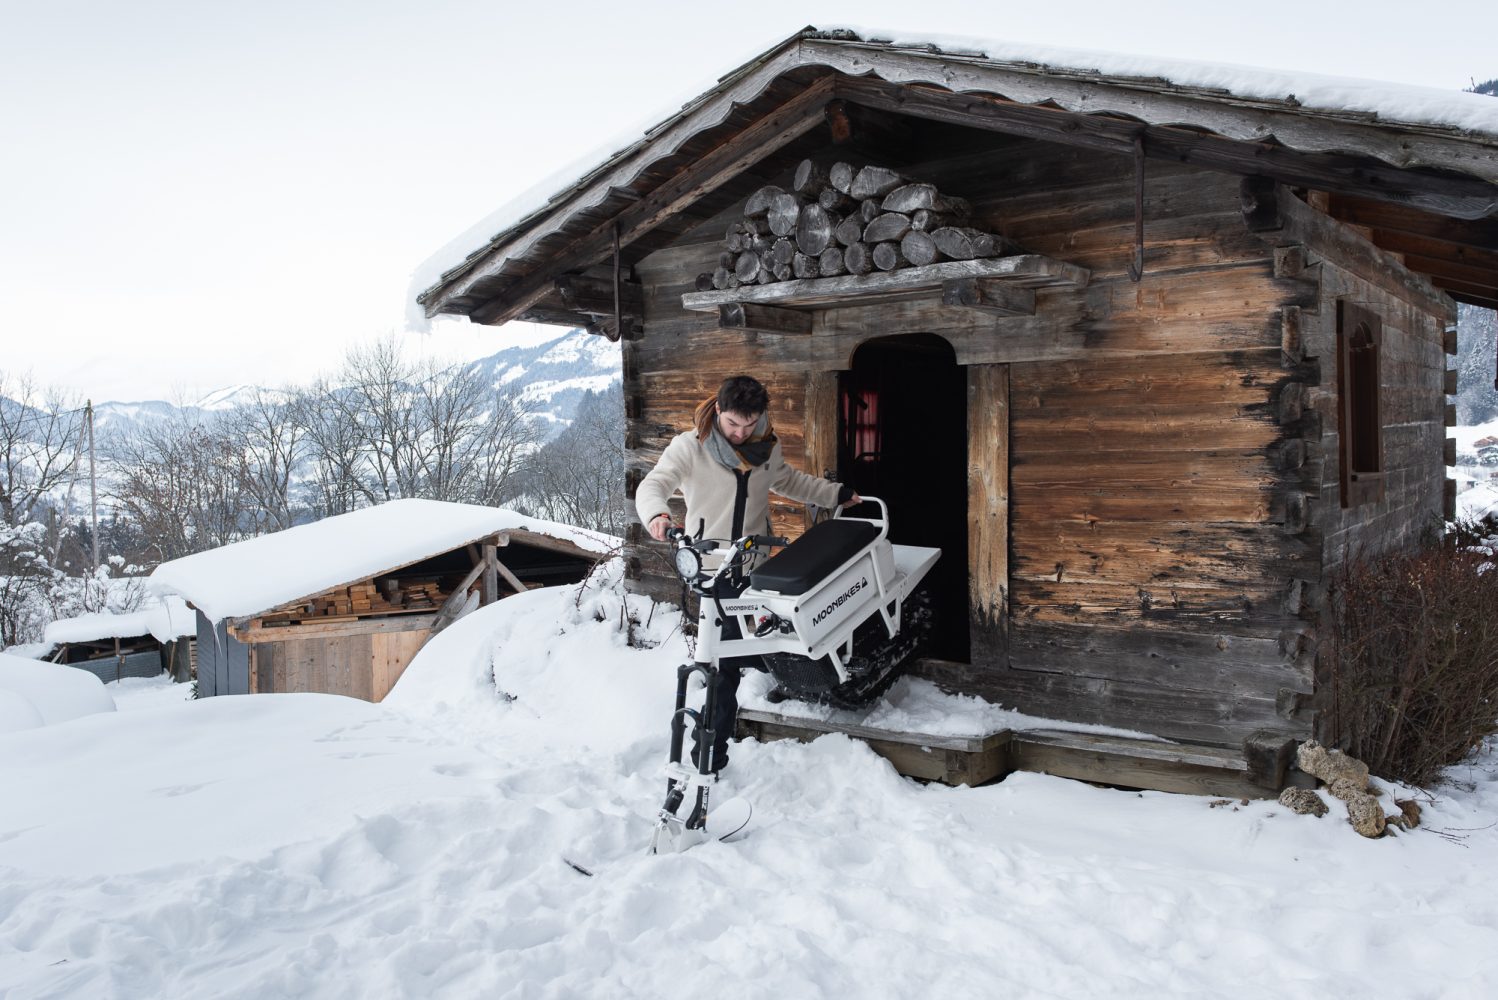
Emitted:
<point x="166" y="618"/>
<point x="1292" y="108"/>
<point x="255" y="575"/>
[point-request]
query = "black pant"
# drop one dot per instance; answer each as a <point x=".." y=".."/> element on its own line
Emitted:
<point x="726" y="708"/>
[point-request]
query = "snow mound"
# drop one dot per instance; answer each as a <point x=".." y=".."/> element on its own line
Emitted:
<point x="54" y="692"/>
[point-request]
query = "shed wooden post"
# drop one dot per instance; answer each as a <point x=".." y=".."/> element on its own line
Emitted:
<point x="988" y="497"/>
<point x="489" y="585"/>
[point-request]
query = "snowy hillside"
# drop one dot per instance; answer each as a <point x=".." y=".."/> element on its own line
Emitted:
<point x="552" y="375"/>
<point x="312" y="846"/>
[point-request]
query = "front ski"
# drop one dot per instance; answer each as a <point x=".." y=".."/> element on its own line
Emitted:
<point x="723" y="822"/>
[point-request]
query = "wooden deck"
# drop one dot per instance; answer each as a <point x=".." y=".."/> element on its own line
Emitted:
<point x="1108" y="760"/>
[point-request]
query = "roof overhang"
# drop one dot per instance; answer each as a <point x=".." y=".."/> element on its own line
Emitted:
<point x="1428" y="191"/>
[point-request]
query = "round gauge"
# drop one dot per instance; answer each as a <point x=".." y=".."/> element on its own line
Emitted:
<point x="688" y="563"/>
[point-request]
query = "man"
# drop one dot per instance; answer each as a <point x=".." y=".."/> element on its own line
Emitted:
<point x="725" y="472"/>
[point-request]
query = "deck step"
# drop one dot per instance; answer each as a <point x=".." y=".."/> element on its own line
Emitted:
<point x="974" y="760"/>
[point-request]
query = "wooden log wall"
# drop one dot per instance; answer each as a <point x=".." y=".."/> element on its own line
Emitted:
<point x="1416" y="383"/>
<point x="1162" y="558"/>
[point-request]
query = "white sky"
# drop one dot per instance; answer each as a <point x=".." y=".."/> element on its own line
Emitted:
<point x="198" y="194"/>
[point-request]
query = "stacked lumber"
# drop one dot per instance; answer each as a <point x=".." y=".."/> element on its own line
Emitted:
<point x="366" y="599"/>
<point x="846" y="220"/>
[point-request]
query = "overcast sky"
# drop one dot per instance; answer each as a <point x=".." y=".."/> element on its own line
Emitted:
<point x="199" y="194"/>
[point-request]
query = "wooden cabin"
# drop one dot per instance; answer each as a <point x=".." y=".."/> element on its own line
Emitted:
<point x="1192" y="356"/>
<point x="343" y="605"/>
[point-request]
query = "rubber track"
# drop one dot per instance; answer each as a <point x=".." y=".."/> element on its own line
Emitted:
<point x="874" y="666"/>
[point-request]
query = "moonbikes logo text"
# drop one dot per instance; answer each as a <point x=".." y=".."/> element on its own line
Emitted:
<point x="839" y="600"/>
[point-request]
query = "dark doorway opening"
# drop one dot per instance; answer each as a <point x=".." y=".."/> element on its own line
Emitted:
<point x="902" y="436"/>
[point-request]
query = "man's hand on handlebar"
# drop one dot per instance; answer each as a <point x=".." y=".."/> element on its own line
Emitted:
<point x="853" y="501"/>
<point x="659" y="526"/>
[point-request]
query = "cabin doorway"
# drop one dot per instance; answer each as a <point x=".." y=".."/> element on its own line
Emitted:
<point x="902" y="436"/>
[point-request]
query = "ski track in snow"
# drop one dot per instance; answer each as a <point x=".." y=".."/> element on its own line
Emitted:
<point x="310" y="846"/>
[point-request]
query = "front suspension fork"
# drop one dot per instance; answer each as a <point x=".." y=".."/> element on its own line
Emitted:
<point x="679" y="778"/>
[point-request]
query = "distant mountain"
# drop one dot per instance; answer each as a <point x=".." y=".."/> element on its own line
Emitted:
<point x="552" y="377"/>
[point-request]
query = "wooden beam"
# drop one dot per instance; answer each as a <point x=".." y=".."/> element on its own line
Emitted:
<point x="489" y="579"/>
<point x="516" y="584"/>
<point x="1274" y="213"/>
<point x="1462" y="197"/>
<point x="1022" y="270"/>
<point x="763" y="319"/>
<point x="820" y="432"/>
<point x="1384" y="217"/>
<point x="1466" y="274"/>
<point x="1448" y="452"/>
<point x="992" y="296"/>
<point x="1448" y="382"/>
<point x="327" y="630"/>
<point x="585" y="293"/>
<point x="1166" y="767"/>
<point x="988" y="502"/>
<point x="770" y="133"/>
<point x="453" y="606"/>
<point x="535" y="539"/>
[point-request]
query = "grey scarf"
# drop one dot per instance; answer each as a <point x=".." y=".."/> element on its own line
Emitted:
<point x="755" y="451"/>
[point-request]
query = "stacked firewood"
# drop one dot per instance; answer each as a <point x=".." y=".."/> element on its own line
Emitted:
<point x="846" y="220"/>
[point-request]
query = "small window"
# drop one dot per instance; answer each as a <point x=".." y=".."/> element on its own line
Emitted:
<point x="1359" y="338"/>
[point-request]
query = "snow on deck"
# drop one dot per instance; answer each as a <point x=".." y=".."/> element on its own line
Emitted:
<point x="260" y="573"/>
<point x="166" y="618"/>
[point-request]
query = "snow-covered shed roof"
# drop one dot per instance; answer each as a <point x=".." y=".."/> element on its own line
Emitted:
<point x="1428" y="148"/>
<point x="252" y="576"/>
<point x="166" y="618"/>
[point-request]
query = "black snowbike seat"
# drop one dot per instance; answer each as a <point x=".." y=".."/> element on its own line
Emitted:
<point x="814" y="556"/>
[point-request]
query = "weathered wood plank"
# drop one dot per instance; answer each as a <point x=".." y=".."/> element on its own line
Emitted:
<point x="1026" y="271"/>
<point x="988" y="496"/>
<point x="1165" y="767"/>
<point x="357" y="626"/>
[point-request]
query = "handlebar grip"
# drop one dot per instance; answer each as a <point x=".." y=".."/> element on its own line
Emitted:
<point x="673" y="533"/>
<point x="768" y="540"/>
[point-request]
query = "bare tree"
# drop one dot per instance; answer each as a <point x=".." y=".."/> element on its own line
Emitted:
<point x="269" y="432"/>
<point x="578" y="478"/>
<point x="332" y="436"/>
<point x="180" y="481"/>
<point x="39" y="445"/>
<point x="376" y="383"/>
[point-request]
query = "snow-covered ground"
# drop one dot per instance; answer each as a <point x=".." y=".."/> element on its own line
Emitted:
<point x="307" y="845"/>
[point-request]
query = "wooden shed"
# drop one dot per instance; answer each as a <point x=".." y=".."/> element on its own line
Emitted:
<point x="157" y="637"/>
<point x="1192" y="354"/>
<point x="342" y="606"/>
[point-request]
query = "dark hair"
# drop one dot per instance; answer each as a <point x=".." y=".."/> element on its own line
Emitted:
<point x="740" y="394"/>
<point x="743" y="394"/>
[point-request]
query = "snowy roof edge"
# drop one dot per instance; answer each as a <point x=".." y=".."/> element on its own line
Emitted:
<point x="1151" y="74"/>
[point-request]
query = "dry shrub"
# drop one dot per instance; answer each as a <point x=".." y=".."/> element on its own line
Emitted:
<point x="1414" y="663"/>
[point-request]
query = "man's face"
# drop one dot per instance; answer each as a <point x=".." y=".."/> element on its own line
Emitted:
<point x="737" y="427"/>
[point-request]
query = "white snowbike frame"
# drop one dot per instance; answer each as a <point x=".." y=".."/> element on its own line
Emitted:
<point x="820" y="621"/>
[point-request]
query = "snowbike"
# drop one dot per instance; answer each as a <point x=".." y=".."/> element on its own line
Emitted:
<point x="834" y="616"/>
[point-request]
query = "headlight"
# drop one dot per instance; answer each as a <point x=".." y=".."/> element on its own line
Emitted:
<point x="688" y="563"/>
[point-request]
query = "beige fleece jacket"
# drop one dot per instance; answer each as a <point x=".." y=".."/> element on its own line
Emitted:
<point x="711" y="490"/>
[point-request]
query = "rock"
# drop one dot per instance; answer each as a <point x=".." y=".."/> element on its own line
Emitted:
<point x="1347" y="789"/>
<point x="1366" y="816"/>
<point x="1303" y="801"/>
<point x="1410" y="809"/>
<point x="1330" y="765"/>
